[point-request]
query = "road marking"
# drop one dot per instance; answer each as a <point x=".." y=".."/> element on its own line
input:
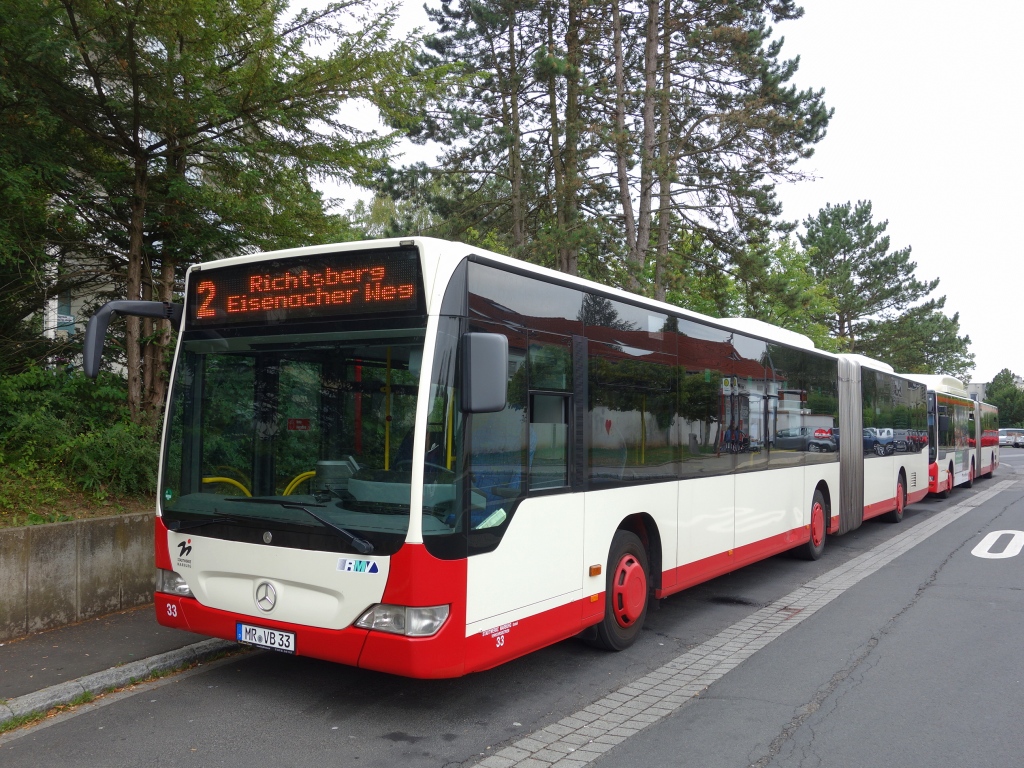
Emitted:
<point x="1012" y="548"/>
<point x="582" y="737"/>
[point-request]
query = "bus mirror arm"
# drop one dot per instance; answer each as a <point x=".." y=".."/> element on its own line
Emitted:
<point x="96" y="331"/>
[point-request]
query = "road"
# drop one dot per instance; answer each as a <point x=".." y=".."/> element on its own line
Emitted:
<point x="901" y="646"/>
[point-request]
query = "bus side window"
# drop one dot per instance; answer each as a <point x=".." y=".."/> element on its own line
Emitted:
<point x="548" y="455"/>
<point x="550" y="382"/>
<point x="498" y="441"/>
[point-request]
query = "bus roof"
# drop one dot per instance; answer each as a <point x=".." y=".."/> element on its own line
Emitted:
<point x="940" y="383"/>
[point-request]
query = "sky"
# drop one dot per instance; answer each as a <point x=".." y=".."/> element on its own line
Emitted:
<point x="928" y="127"/>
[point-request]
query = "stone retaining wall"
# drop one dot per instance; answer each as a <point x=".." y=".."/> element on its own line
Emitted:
<point x="57" y="574"/>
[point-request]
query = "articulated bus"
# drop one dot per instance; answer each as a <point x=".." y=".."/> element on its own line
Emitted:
<point x="963" y="435"/>
<point x="423" y="458"/>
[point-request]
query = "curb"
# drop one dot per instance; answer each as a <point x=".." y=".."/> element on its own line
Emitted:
<point x="116" y="677"/>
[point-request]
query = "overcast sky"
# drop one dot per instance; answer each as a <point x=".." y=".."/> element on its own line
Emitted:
<point x="927" y="127"/>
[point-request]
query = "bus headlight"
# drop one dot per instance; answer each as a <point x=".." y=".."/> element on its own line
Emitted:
<point x="402" y="620"/>
<point x="171" y="583"/>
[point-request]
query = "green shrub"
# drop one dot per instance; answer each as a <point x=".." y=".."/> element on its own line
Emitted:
<point x="28" y="491"/>
<point x="120" y="459"/>
<point x="61" y="433"/>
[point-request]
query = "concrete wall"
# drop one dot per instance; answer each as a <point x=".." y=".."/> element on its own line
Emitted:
<point x="51" y="575"/>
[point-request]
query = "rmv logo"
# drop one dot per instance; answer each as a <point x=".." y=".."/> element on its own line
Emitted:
<point x="358" y="566"/>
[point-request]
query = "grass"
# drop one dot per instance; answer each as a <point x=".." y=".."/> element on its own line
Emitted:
<point x="66" y="506"/>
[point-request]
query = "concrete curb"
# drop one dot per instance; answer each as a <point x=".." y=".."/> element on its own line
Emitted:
<point x="116" y="677"/>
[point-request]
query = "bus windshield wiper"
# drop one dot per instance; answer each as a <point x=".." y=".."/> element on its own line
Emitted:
<point x="178" y="525"/>
<point x="360" y="545"/>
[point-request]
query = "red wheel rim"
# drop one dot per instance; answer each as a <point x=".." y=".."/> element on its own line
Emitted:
<point x="899" y="499"/>
<point x="629" y="591"/>
<point x="817" y="524"/>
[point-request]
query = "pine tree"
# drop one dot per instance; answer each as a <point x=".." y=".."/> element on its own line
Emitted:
<point x="202" y="124"/>
<point x="878" y="307"/>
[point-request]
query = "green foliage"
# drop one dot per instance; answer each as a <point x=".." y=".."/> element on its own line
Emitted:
<point x="569" y="145"/>
<point x="1008" y="398"/>
<point x="146" y="137"/>
<point x="875" y="305"/>
<point x="921" y="340"/>
<point x="61" y="434"/>
<point x="787" y="294"/>
<point x="849" y="255"/>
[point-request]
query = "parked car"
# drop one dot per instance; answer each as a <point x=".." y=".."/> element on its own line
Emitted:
<point x="805" y="439"/>
<point x="1018" y="440"/>
<point x="903" y="440"/>
<point x="878" y="440"/>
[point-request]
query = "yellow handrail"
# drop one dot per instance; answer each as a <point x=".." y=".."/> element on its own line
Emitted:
<point x="299" y="480"/>
<point x="229" y="481"/>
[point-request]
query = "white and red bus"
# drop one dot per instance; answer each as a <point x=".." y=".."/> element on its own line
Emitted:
<point x="963" y="435"/>
<point x="419" y="457"/>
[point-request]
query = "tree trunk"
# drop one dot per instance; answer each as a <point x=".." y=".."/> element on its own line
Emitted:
<point x="666" y="157"/>
<point x="557" y="167"/>
<point x="515" y="141"/>
<point x="133" y="350"/>
<point x="573" y="132"/>
<point x="621" y="137"/>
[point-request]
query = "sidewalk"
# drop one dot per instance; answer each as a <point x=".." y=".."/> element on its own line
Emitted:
<point x="51" y="668"/>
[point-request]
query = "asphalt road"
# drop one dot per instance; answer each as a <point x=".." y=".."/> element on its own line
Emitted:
<point x="913" y="661"/>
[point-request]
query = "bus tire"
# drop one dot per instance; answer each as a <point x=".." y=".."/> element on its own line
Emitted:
<point x="627" y="587"/>
<point x="948" y="490"/>
<point x="815" y="545"/>
<point x="896" y="515"/>
<point x="970" y="476"/>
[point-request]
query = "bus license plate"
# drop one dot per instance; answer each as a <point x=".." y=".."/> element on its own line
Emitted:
<point x="262" y="637"/>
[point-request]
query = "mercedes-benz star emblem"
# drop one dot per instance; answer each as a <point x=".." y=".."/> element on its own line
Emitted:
<point x="266" y="596"/>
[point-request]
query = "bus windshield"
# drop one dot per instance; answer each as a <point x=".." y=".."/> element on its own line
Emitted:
<point x="302" y="440"/>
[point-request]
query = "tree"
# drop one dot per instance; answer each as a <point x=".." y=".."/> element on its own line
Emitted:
<point x="878" y="307"/>
<point x="849" y="255"/>
<point x="1004" y="393"/>
<point x="921" y="340"/>
<point x="200" y="125"/>
<point x="589" y="137"/>
<point x="783" y="291"/>
<point x="39" y="230"/>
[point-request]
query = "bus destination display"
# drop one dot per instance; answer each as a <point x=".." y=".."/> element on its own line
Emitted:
<point x="307" y="288"/>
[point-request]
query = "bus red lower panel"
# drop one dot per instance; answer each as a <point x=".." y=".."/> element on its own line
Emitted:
<point x="879" y="508"/>
<point x="513" y="639"/>
<point x="698" y="572"/>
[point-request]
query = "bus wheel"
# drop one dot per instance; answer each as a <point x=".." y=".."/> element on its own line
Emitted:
<point x="819" y="524"/>
<point x="970" y="476"/>
<point x="949" y="484"/>
<point x="901" y="503"/>
<point x="626" y="593"/>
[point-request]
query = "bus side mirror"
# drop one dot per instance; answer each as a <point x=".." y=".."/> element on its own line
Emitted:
<point x="96" y="331"/>
<point x="484" y="372"/>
